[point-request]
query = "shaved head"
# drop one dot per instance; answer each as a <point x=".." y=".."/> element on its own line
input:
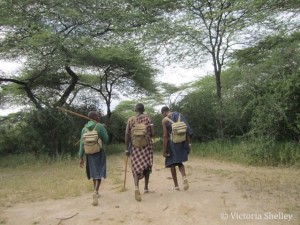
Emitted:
<point x="94" y="115"/>
<point x="139" y="107"/>
<point x="165" y="109"/>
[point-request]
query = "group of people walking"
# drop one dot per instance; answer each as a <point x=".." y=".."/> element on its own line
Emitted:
<point x="139" y="148"/>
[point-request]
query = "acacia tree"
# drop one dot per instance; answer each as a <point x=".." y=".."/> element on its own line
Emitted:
<point x="201" y="30"/>
<point x="271" y="86"/>
<point x="49" y="36"/>
<point x="116" y="70"/>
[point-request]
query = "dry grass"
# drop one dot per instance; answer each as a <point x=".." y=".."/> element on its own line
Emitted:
<point x="30" y="183"/>
<point x="275" y="186"/>
<point x="39" y="182"/>
<point x="58" y="180"/>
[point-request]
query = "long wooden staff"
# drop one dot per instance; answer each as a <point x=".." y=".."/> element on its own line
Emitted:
<point x="74" y="113"/>
<point x="126" y="162"/>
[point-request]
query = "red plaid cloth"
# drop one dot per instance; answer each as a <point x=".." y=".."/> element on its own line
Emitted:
<point x="141" y="158"/>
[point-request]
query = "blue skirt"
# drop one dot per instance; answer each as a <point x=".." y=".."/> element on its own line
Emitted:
<point x="178" y="153"/>
<point x="96" y="165"/>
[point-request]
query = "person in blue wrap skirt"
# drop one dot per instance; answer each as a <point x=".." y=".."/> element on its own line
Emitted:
<point x="175" y="153"/>
<point x="95" y="163"/>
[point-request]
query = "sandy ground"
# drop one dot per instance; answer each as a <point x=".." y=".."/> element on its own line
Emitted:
<point x="219" y="194"/>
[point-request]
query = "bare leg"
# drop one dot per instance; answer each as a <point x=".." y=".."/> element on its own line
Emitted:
<point x="147" y="176"/>
<point x="97" y="183"/>
<point x="136" y="181"/>
<point x="185" y="181"/>
<point x="137" y="193"/>
<point x="94" y="182"/>
<point x="174" y="175"/>
<point x="182" y="170"/>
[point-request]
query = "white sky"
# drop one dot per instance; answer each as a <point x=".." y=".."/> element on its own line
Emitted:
<point x="9" y="67"/>
<point x="178" y="75"/>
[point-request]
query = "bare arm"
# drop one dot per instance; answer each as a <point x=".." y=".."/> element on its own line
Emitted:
<point x="165" y="137"/>
<point x="127" y="137"/>
<point x="151" y="128"/>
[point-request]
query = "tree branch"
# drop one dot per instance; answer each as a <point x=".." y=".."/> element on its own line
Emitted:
<point x="70" y="88"/>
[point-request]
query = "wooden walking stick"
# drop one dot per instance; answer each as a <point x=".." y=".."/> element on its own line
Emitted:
<point x="126" y="162"/>
<point x="74" y="113"/>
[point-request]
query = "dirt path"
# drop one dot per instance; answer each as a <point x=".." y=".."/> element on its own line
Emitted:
<point x="220" y="194"/>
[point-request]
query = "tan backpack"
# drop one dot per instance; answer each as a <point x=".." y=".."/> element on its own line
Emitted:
<point x="91" y="141"/>
<point x="139" y="135"/>
<point x="179" y="129"/>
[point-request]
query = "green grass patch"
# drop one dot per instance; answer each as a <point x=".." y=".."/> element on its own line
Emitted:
<point x="262" y="153"/>
<point x="222" y="150"/>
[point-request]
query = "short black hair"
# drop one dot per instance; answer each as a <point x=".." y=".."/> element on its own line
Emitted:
<point x="164" y="109"/>
<point x="139" y="107"/>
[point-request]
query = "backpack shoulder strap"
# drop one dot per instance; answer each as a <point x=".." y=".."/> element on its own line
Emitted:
<point x="86" y="130"/>
<point x="95" y="127"/>
<point x="136" y="119"/>
<point x="179" y="118"/>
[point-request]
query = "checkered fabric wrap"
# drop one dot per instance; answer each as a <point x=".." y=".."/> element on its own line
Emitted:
<point x="142" y="158"/>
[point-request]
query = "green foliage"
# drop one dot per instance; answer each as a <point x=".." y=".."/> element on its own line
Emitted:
<point x="157" y="126"/>
<point x="236" y="118"/>
<point x="271" y="84"/>
<point x="199" y="108"/>
<point x="268" y="152"/>
<point x="62" y="40"/>
<point x="121" y="67"/>
<point x="76" y="48"/>
<point x="40" y="132"/>
<point x="12" y="138"/>
<point x="117" y="127"/>
<point x="56" y="132"/>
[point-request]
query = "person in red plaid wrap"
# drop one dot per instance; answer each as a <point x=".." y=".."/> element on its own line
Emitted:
<point x="141" y="158"/>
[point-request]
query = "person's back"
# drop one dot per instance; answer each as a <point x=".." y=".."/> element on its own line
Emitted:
<point x="140" y="147"/>
<point x="175" y="152"/>
<point x="95" y="161"/>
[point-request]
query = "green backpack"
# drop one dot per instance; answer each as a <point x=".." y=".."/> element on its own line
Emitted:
<point x="139" y="135"/>
<point x="91" y="141"/>
<point x="179" y="129"/>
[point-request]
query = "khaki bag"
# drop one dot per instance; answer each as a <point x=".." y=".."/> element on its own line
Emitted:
<point x="179" y="128"/>
<point x="139" y="135"/>
<point x="91" y="141"/>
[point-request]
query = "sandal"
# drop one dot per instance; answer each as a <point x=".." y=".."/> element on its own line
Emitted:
<point x="137" y="195"/>
<point x="95" y="199"/>
<point x="185" y="184"/>
<point x="146" y="191"/>
<point x="175" y="189"/>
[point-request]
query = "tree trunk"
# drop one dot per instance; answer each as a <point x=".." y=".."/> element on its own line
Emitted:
<point x="220" y="102"/>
